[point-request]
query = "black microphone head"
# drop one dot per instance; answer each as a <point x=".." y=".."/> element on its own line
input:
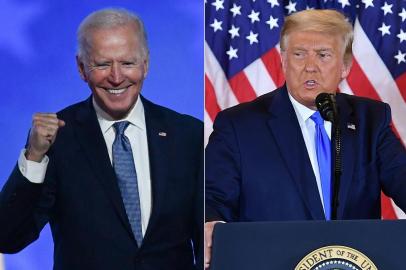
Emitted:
<point x="325" y="104"/>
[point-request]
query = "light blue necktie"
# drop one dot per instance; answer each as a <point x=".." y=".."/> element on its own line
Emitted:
<point x="124" y="167"/>
<point x="323" y="150"/>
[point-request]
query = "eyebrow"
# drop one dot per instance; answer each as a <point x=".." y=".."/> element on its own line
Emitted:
<point x="101" y="61"/>
<point x="318" y="50"/>
<point x="324" y="49"/>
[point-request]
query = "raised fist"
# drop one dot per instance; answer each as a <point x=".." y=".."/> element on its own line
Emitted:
<point x="42" y="135"/>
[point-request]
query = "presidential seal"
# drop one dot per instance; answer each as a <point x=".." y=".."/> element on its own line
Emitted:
<point x="335" y="258"/>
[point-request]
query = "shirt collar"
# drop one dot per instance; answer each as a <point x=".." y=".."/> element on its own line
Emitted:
<point x="301" y="110"/>
<point x="136" y="116"/>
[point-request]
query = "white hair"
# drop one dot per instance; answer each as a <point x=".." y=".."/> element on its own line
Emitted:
<point x="109" y="18"/>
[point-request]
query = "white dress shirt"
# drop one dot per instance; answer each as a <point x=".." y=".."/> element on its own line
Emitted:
<point x="308" y="128"/>
<point x="136" y="133"/>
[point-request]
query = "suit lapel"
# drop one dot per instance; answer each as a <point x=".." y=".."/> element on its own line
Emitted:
<point x="159" y="136"/>
<point x="92" y="141"/>
<point x="285" y="128"/>
<point x="349" y="126"/>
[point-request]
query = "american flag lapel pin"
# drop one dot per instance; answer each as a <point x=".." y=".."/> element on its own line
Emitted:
<point x="162" y="134"/>
<point x="351" y="126"/>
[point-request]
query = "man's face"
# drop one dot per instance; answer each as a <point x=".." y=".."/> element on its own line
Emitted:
<point x="114" y="69"/>
<point x="313" y="63"/>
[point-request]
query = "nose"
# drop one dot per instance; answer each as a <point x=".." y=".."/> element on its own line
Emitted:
<point x="311" y="65"/>
<point x="116" y="75"/>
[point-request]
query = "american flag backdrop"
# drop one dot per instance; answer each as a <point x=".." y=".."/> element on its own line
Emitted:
<point x="242" y="58"/>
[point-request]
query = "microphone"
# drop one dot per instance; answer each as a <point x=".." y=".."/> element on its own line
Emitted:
<point x="326" y="105"/>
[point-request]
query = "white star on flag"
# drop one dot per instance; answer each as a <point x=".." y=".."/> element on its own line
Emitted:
<point x="291" y="7"/>
<point x="344" y="3"/>
<point x="253" y="38"/>
<point x="236" y="10"/>
<point x="232" y="53"/>
<point x="384" y="29"/>
<point x="400" y="57"/>
<point x="273" y="22"/>
<point x="401" y="36"/>
<point x="254" y="16"/>
<point x="234" y="31"/>
<point x="403" y="14"/>
<point x="216" y="25"/>
<point x="368" y="3"/>
<point x="273" y="3"/>
<point x="387" y="8"/>
<point x="218" y="4"/>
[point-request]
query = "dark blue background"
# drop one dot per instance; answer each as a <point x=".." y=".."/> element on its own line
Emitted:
<point x="38" y="73"/>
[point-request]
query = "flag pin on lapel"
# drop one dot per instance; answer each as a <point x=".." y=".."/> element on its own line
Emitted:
<point x="162" y="134"/>
<point x="351" y="126"/>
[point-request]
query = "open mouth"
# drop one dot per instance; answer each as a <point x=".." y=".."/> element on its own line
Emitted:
<point x="310" y="83"/>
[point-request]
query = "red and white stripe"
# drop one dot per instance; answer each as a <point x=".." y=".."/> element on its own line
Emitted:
<point x="369" y="77"/>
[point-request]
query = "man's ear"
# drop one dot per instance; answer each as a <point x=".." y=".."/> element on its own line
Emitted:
<point x="146" y="67"/>
<point x="81" y="68"/>
<point x="346" y="69"/>
<point x="283" y="61"/>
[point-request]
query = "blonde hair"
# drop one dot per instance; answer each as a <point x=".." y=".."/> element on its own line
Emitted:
<point x="326" y="21"/>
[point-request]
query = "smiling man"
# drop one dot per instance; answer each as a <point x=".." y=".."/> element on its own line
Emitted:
<point x="262" y="159"/>
<point x="119" y="179"/>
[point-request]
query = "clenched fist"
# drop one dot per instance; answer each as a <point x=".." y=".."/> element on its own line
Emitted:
<point x="42" y="135"/>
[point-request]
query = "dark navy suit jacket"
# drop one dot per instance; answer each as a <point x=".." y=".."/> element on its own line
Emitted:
<point x="258" y="168"/>
<point x="81" y="200"/>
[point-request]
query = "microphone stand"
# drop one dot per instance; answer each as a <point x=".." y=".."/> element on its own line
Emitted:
<point x="337" y="166"/>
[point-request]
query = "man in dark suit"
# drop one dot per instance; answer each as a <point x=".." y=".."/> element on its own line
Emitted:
<point x="262" y="162"/>
<point x="118" y="178"/>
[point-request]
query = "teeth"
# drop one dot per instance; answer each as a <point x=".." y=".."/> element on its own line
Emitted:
<point x="311" y="82"/>
<point x="116" y="91"/>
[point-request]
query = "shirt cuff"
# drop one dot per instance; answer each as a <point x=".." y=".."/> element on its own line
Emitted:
<point x="33" y="171"/>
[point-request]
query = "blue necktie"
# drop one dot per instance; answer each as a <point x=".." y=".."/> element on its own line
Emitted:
<point x="124" y="167"/>
<point x="323" y="150"/>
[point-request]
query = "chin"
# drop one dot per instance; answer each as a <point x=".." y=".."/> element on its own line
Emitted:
<point x="121" y="110"/>
<point x="116" y="111"/>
